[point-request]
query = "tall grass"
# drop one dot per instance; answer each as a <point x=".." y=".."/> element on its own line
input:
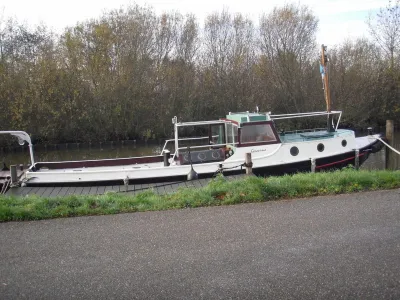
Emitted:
<point x="218" y="192"/>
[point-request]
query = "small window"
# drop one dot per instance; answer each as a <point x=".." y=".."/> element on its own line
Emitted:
<point x="320" y="147"/>
<point x="257" y="134"/>
<point x="294" y="151"/>
<point x="344" y="143"/>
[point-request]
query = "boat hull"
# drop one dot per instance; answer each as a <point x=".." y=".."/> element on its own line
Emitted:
<point x="331" y="162"/>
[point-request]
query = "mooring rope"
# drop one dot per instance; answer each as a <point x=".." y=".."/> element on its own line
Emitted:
<point x="151" y="187"/>
<point x="390" y="147"/>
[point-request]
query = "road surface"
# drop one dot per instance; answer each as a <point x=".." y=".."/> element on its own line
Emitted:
<point x="345" y="246"/>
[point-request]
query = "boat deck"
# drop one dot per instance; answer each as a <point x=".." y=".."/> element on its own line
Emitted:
<point x="308" y="135"/>
<point x="131" y="189"/>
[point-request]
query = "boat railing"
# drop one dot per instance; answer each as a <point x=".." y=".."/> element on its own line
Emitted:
<point x="303" y="115"/>
<point x="22" y="137"/>
<point x="309" y="114"/>
<point x="303" y="130"/>
<point x="186" y="139"/>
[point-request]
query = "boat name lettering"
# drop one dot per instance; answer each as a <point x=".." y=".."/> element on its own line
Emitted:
<point x="258" y="150"/>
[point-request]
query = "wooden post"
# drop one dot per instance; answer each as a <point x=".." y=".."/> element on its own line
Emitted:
<point x="357" y="160"/>
<point x="389" y="164"/>
<point x="249" y="164"/>
<point x="313" y="164"/>
<point x="13" y="172"/>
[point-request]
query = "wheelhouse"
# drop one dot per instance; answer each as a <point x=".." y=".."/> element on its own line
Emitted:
<point x="254" y="129"/>
<point x="211" y="141"/>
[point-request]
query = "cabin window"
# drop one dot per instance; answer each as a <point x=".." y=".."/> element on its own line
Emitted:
<point x="231" y="133"/>
<point x="217" y="134"/>
<point x="257" y="134"/>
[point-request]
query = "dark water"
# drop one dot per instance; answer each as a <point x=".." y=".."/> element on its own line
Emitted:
<point x="73" y="152"/>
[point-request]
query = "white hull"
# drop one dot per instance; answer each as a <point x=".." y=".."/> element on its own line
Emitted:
<point x="263" y="156"/>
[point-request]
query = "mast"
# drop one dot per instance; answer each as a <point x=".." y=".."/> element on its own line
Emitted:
<point x="325" y="81"/>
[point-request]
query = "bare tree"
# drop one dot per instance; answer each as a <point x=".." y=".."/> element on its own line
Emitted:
<point x="385" y="29"/>
<point x="287" y="43"/>
<point x="187" y="39"/>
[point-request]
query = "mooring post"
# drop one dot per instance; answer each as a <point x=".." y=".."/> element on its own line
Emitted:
<point x="389" y="136"/>
<point x="313" y="165"/>
<point x="166" y="155"/>
<point x="357" y="159"/>
<point x="126" y="183"/>
<point x="13" y="172"/>
<point x="248" y="164"/>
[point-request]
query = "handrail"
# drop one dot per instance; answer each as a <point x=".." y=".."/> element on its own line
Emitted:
<point x="310" y="113"/>
<point x="302" y="115"/>
<point x="305" y="130"/>
<point x="199" y="123"/>
<point x="338" y="121"/>
<point x="185" y="139"/>
<point x="22" y="138"/>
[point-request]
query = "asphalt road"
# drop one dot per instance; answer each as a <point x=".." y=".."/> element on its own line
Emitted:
<point x="344" y="247"/>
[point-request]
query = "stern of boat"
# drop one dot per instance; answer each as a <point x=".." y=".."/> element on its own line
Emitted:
<point x="369" y="144"/>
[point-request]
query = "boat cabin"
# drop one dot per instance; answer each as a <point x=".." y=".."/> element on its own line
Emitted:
<point x="253" y="129"/>
<point x="217" y="140"/>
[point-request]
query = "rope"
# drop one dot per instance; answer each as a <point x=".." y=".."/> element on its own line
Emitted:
<point x="241" y="165"/>
<point x="387" y="145"/>
<point x="151" y="187"/>
<point x="221" y="170"/>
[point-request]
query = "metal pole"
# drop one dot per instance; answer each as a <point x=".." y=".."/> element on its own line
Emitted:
<point x="175" y="121"/>
<point x="14" y="177"/>
<point x="31" y="154"/>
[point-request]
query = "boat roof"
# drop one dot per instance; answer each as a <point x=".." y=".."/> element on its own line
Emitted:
<point x="246" y="117"/>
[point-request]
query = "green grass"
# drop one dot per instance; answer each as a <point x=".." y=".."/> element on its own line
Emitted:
<point x="218" y="192"/>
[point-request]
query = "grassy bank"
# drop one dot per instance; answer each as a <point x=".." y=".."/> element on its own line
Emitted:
<point x="218" y="192"/>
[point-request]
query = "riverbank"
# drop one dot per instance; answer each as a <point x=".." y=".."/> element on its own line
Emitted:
<point x="218" y="192"/>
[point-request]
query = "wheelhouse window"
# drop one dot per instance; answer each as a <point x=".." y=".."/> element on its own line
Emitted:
<point x="257" y="134"/>
<point x="217" y="134"/>
<point x="231" y="133"/>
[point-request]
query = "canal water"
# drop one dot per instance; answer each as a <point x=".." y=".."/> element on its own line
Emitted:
<point x="20" y="155"/>
<point x="377" y="161"/>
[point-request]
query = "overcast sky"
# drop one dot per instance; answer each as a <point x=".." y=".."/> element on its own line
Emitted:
<point x="338" y="19"/>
